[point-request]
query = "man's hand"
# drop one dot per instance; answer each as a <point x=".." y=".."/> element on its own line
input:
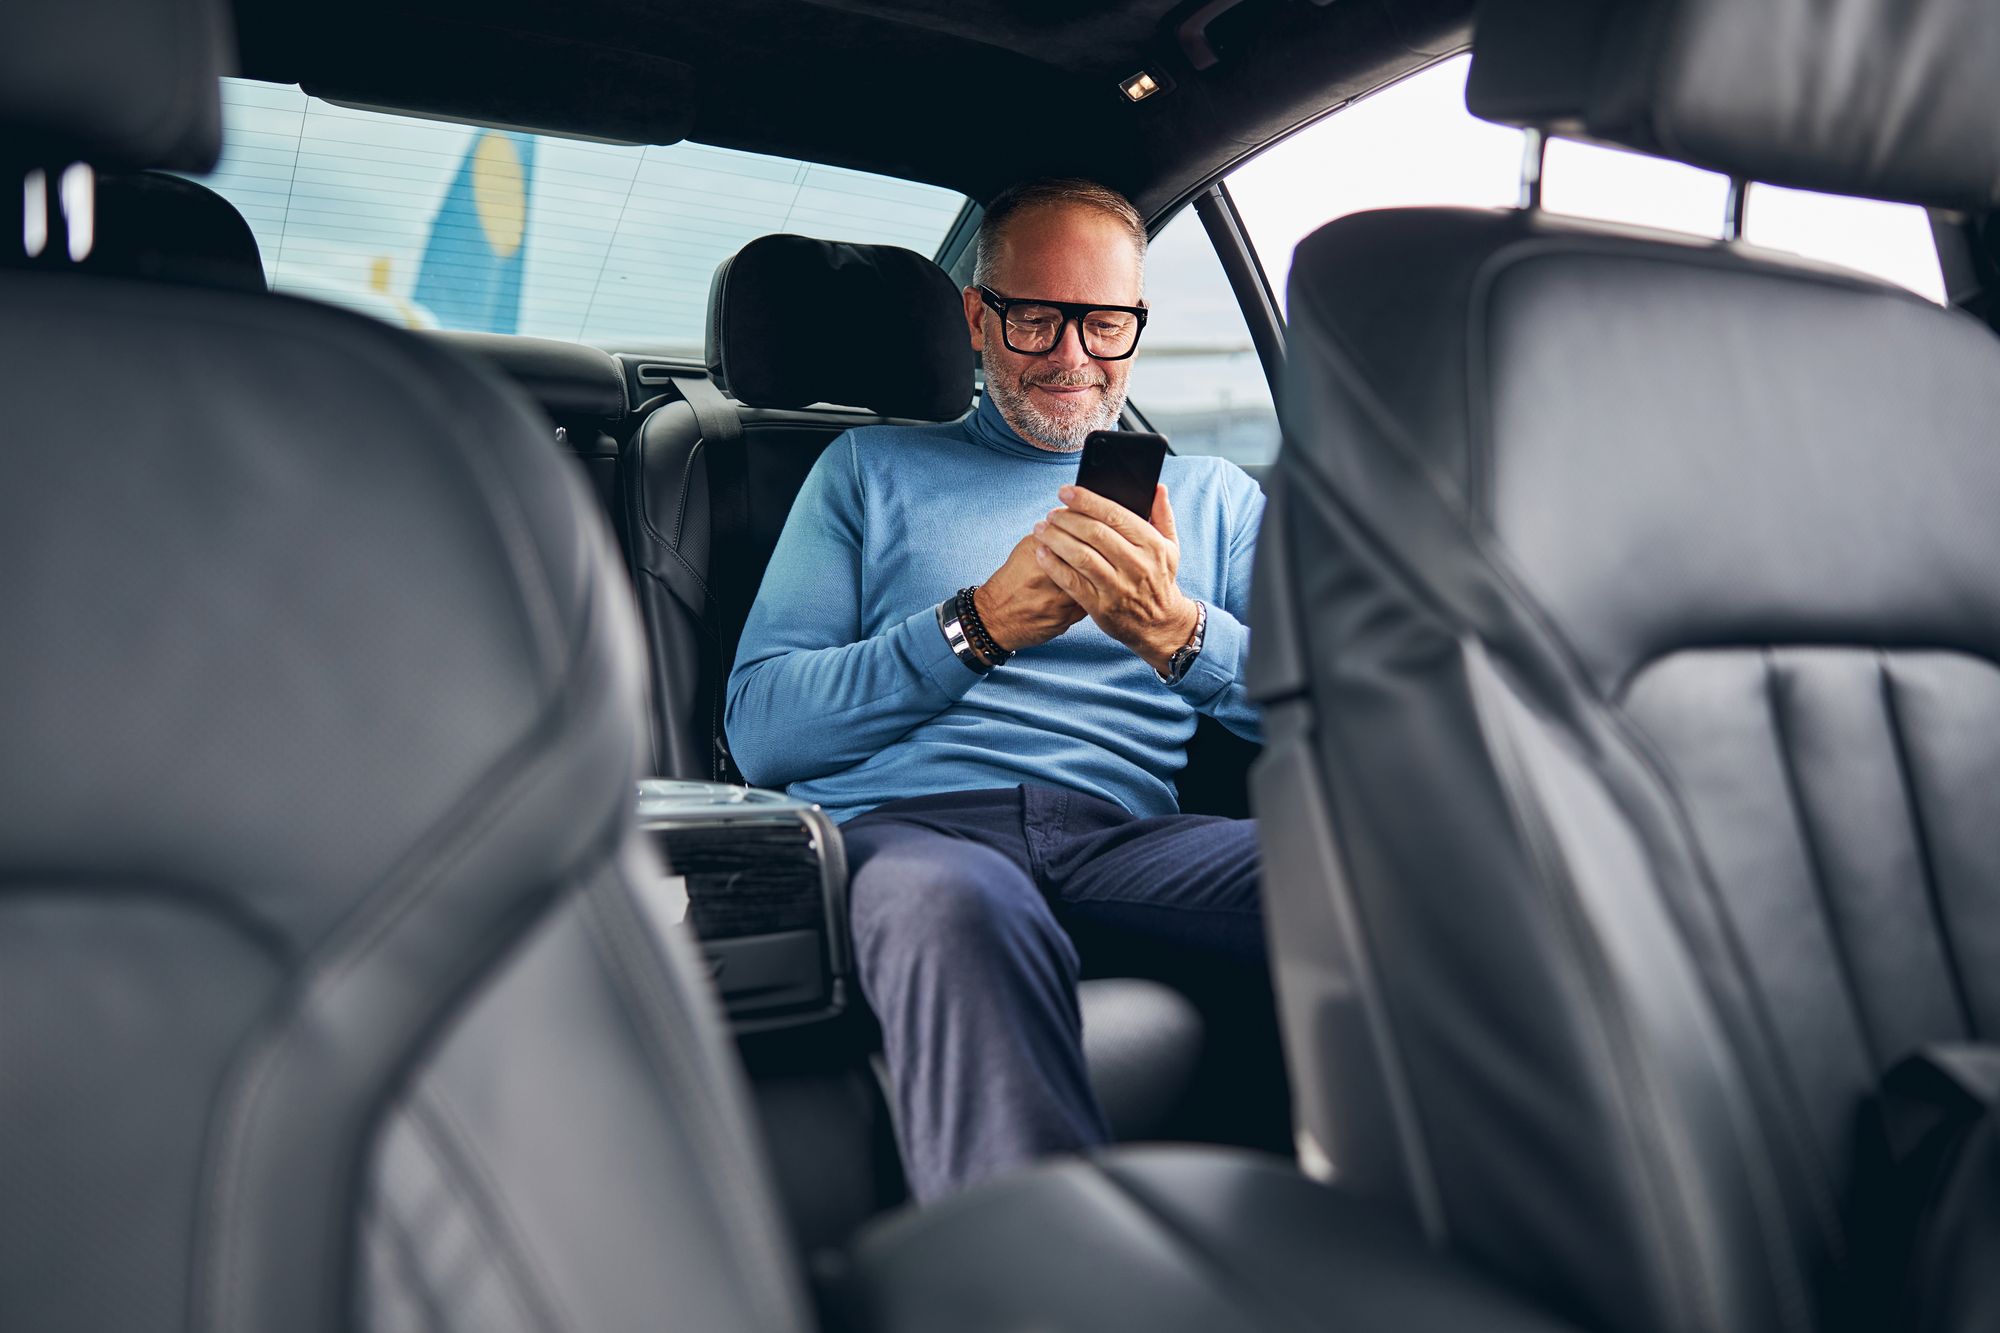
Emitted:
<point x="1120" y="569"/>
<point x="1021" y="605"/>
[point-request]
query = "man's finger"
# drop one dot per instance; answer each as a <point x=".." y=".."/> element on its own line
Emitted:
<point x="1078" y="554"/>
<point x="1108" y="512"/>
<point x="1163" y="514"/>
<point x="1100" y="537"/>
<point x="1065" y="577"/>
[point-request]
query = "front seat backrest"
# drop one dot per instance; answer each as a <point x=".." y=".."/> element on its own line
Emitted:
<point x="1629" y="618"/>
<point x="321" y="710"/>
<point x="792" y="322"/>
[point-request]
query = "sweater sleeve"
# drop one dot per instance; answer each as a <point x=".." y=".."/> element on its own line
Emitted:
<point x="1214" y="684"/>
<point x="808" y="695"/>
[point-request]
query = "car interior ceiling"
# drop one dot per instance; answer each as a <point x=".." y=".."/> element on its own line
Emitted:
<point x="693" y="488"/>
<point x="972" y="96"/>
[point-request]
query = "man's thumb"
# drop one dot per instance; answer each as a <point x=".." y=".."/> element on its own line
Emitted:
<point x="1163" y="513"/>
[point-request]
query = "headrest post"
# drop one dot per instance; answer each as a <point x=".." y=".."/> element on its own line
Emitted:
<point x="77" y="193"/>
<point x="35" y="212"/>
<point x="1534" y="149"/>
<point x="1737" y="210"/>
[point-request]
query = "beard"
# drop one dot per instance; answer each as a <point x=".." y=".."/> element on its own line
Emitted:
<point x="1059" y="432"/>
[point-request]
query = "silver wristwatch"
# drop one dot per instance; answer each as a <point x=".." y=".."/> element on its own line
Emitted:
<point x="1183" y="658"/>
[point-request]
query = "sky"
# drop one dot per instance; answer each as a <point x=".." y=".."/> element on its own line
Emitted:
<point x="1415" y="144"/>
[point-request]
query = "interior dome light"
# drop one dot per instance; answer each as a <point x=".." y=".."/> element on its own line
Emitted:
<point x="1139" y="87"/>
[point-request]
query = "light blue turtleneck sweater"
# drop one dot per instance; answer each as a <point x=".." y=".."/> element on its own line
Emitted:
<point x="845" y="692"/>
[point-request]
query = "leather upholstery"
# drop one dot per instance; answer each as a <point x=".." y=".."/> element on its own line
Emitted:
<point x="1141" y="1041"/>
<point x="115" y="83"/>
<point x="794" y="321"/>
<point x="568" y="379"/>
<point x="1170" y="1241"/>
<point x="1630" y="633"/>
<point x="286" y="784"/>
<point x="152" y="225"/>
<point x="1885" y="100"/>
<point x="668" y="524"/>
<point x="574" y="1154"/>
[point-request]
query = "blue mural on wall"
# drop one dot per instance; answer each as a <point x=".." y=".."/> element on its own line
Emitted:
<point x="470" y="274"/>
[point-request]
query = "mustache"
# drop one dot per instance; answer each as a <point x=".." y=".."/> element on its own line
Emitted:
<point x="1066" y="379"/>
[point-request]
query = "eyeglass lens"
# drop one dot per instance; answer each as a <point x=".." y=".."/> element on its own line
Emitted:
<point x="1035" y="328"/>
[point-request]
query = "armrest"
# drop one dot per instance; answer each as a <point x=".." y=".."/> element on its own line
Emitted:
<point x="762" y="880"/>
<point x="1165" y="1240"/>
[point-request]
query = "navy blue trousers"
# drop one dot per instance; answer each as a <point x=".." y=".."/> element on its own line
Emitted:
<point x="964" y="906"/>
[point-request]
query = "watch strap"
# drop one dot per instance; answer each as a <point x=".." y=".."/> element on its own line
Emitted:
<point x="1183" y="658"/>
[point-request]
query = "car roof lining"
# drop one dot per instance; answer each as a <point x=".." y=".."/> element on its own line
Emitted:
<point x="969" y="94"/>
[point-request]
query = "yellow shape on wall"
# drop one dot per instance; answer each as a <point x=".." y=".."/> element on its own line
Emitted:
<point x="499" y="192"/>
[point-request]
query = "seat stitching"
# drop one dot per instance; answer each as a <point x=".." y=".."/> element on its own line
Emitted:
<point x="646" y="517"/>
<point x="687" y="487"/>
<point x="1933" y="889"/>
<point x="477" y="1193"/>
<point x="1822" y="888"/>
<point x="1616" y="1057"/>
<point x="513" y="774"/>
<point x="635" y="966"/>
<point x="341" y="954"/>
<point x="403" y="1247"/>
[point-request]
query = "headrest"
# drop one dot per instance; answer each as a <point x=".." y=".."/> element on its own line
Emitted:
<point x="152" y="225"/>
<point x="1889" y="99"/>
<point x="567" y="379"/>
<point x="794" y="321"/>
<point x="115" y="83"/>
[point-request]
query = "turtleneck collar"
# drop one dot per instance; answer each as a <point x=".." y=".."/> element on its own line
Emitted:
<point x="989" y="428"/>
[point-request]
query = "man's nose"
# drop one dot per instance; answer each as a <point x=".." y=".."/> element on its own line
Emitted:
<point x="1068" y="351"/>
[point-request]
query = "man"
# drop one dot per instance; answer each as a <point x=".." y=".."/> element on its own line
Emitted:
<point x="1002" y="760"/>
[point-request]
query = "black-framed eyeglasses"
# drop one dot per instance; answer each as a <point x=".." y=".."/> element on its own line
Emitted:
<point x="1033" y="328"/>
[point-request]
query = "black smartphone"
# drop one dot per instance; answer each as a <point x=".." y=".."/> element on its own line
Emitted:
<point x="1123" y="465"/>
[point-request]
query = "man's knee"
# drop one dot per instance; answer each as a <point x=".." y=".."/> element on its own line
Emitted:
<point x="955" y="902"/>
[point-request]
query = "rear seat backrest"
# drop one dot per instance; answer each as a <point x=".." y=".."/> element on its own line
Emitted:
<point x="793" y="322"/>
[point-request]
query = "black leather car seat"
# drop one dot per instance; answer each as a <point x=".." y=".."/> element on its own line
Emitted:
<point x="1629" y="624"/>
<point x="330" y="710"/>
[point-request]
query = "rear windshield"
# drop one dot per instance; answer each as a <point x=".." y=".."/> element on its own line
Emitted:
<point x="437" y="225"/>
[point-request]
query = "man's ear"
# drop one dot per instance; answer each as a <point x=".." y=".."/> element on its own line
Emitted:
<point x="975" y="318"/>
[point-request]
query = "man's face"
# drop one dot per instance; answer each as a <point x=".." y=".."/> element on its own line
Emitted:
<point x="1057" y="253"/>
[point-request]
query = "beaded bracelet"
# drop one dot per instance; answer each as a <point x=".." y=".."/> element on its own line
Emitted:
<point x="975" y="628"/>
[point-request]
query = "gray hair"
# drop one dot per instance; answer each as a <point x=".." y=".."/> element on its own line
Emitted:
<point x="1068" y="191"/>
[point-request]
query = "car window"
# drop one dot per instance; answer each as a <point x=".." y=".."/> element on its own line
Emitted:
<point x="434" y="224"/>
<point x="1410" y="145"/>
<point x="1414" y="144"/>
<point x="1892" y="241"/>
<point x="1615" y="185"/>
<point x="1196" y="377"/>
